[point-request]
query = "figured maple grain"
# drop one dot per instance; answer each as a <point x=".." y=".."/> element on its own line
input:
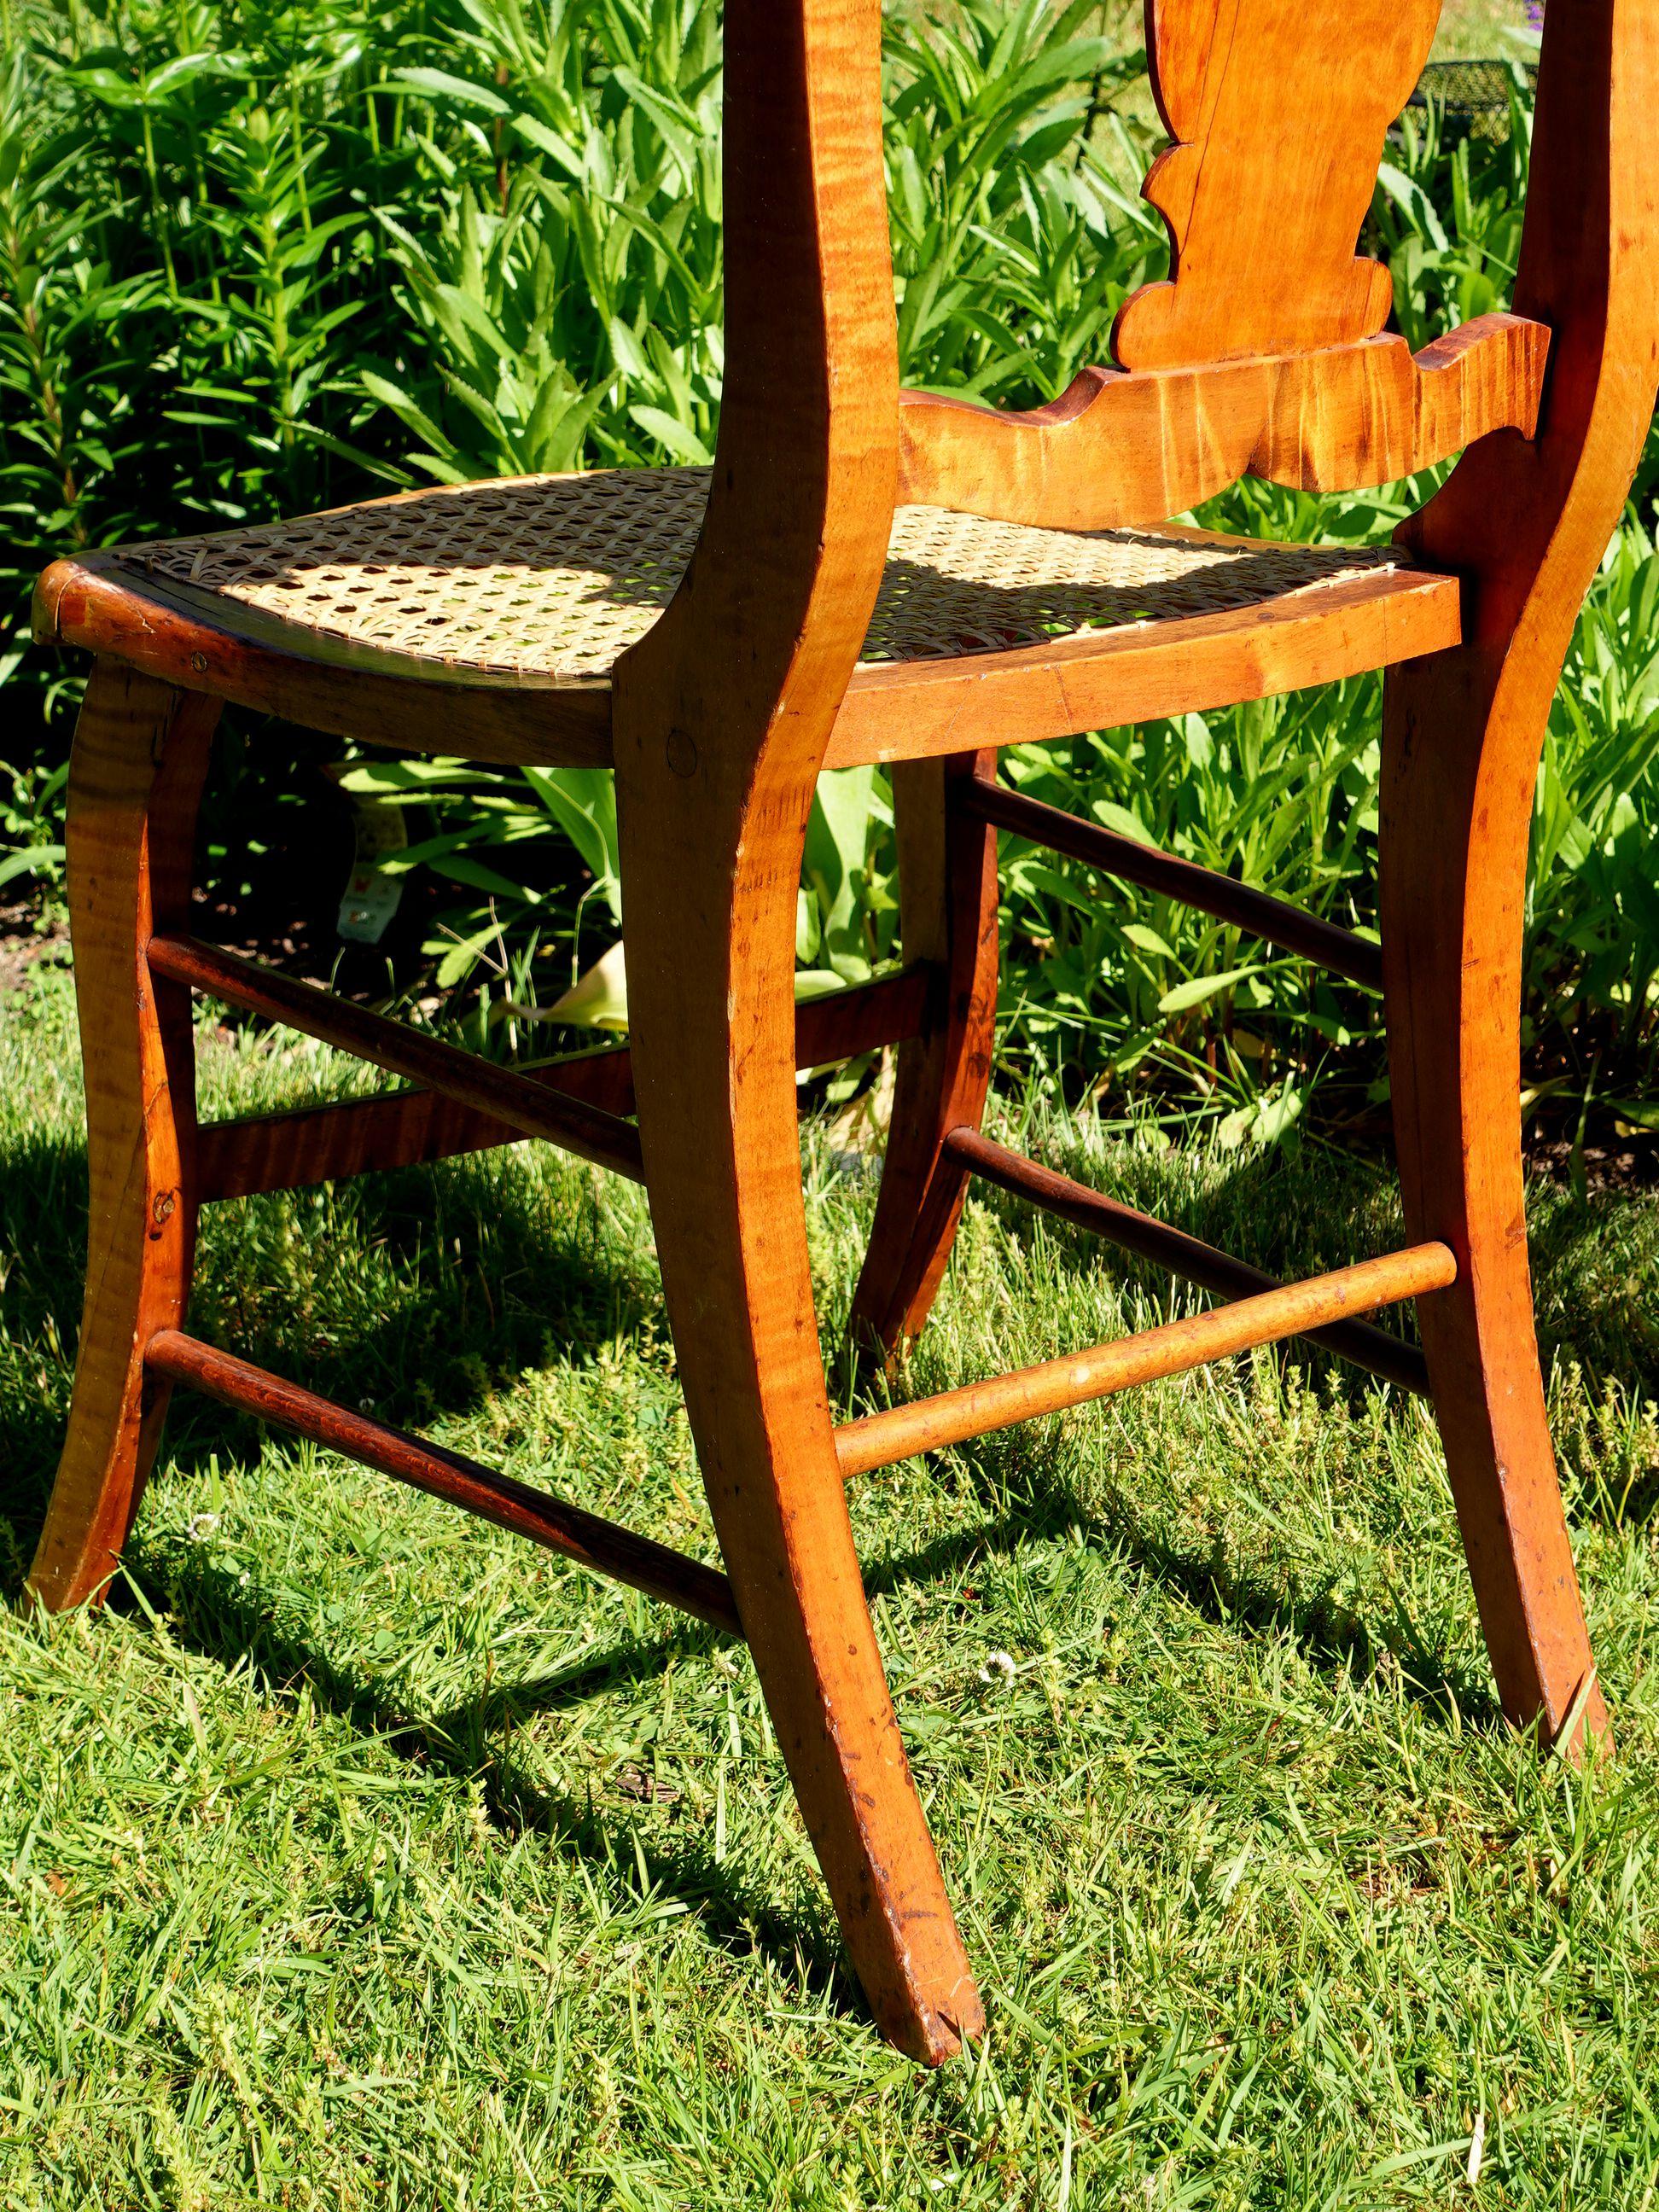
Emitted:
<point x="1290" y="1310"/>
<point x="1186" y="1257"/>
<point x="1119" y="448"/>
<point x="1140" y="672"/>
<point x="1278" y="111"/>
<point x="1263" y="354"/>
<point x="568" y="1529"/>
<point x="947" y="870"/>
<point x="135" y="773"/>
<point x="1526" y="527"/>
<point x="304" y="1145"/>
<point x="722" y="717"/>
<point x="189" y="641"/>
<point x="504" y="1094"/>
<point x="1274" y="921"/>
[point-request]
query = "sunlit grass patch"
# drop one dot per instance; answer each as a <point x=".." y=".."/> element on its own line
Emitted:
<point x="358" y="1854"/>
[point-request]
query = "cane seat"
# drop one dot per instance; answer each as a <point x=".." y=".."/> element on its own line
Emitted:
<point x="543" y="582"/>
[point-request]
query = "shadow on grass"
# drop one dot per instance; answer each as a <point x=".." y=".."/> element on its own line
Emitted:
<point x="559" y="1278"/>
<point x="212" y="1613"/>
<point x="43" y="1234"/>
<point x="1029" y="1499"/>
<point x="466" y="1279"/>
<point x="216" y="1614"/>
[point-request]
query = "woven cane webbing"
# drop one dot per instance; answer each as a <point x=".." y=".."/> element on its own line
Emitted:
<point x="553" y="577"/>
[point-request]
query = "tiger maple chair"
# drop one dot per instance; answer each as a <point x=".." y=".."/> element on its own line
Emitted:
<point x="872" y="575"/>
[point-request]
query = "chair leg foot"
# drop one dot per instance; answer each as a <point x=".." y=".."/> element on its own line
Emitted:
<point x="140" y="756"/>
<point x="733" y="1252"/>
<point x="1453" y="880"/>
<point x="1489" y="1402"/>
<point x="711" y="1026"/>
<point x="948" y="914"/>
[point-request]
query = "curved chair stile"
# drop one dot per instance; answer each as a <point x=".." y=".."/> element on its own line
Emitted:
<point x="868" y="575"/>
<point x="724" y="712"/>
<point x="1525" y="527"/>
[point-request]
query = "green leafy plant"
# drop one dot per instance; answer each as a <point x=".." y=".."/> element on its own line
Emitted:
<point x="259" y="256"/>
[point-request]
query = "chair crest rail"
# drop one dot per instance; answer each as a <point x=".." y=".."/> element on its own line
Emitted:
<point x="587" y="1538"/>
<point x="1121" y="447"/>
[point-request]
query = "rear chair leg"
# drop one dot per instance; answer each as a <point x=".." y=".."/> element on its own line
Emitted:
<point x="140" y="757"/>
<point x="948" y="916"/>
<point x="1454" y="854"/>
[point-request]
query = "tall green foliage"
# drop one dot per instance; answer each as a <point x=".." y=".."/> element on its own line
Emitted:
<point x="257" y="257"/>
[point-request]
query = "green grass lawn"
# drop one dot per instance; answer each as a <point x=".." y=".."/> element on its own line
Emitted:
<point x="1479" y="29"/>
<point x="357" y="1855"/>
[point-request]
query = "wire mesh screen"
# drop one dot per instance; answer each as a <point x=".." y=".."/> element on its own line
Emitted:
<point x="1477" y="94"/>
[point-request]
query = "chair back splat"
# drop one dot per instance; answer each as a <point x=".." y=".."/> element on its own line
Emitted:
<point x="1276" y="113"/>
<point x="1264" y="353"/>
<point x="871" y="574"/>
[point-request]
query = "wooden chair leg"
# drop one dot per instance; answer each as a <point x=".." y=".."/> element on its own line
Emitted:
<point x="1456" y="793"/>
<point x="140" y="756"/>
<point x="710" y="963"/>
<point x="948" y="915"/>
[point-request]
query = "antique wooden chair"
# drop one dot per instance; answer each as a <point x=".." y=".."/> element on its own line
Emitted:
<point x="868" y="574"/>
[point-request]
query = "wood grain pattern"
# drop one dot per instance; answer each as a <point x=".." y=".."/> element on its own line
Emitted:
<point x="1263" y="354"/>
<point x="1293" y="1310"/>
<point x="140" y="755"/>
<point x="571" y="1530"/>
<point x="1275" y="922"/>
<point x="947" y="869"/>
<point x="501" y="1093"/>
<point x="1526" y="526"/>
<point x="722" y="717"/>
<point x="1277" y="112"/>
<point x="186" y="640"/>
<point x="1188" y="1257"/>
<point x="406" y="1129"/>
<point x="1117" y="449"/>
<point x="918" y="710"/>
